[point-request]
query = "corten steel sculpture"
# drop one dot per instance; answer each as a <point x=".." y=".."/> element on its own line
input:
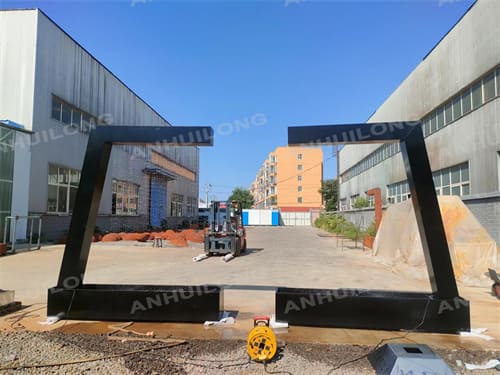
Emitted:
<point x="71" y="298"/>
<point x="442" y="310"/>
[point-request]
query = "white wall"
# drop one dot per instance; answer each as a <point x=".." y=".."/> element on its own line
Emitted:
<point x="65" y="69"/>
<point x="21" y="180"/>
<point x="17" y="66"/>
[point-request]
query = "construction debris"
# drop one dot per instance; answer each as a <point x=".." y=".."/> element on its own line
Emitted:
<point x="179" y="239"/>
<point x="486" y="366"/>
<point x="200" y="257"/>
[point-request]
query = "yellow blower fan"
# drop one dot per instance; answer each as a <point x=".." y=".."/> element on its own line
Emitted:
<point x="261" y="344"/>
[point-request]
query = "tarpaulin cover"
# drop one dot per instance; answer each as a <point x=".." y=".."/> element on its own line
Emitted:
<point x="472" y="249"/>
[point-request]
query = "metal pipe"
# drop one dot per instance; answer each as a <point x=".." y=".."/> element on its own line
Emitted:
<point x="5" y="230"/>
<point x="30" y="223"/>
<point x="14" y="237"/>
<point x="39" y="231"/>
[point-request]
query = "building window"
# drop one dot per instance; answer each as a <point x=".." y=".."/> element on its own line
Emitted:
<point x="440" y="118"/>
<point x="477" y="95"/>
<point x="453" y="180"/>
<point x="6" y="173"/>
<point x="457" y="108"/>
<point x="448" y="181"/>
<point x="176" y="205"/>
<point x="472" y="97"/>
<point x="352" y="200"/>
<point x="448" y="113"/>
<point x="489" y="87"/>
<point x="299" y="189"/>
<point x="343" y="204"/>
<point x="398" y="192"/>
<point x="371" y="200"/>
<point x="70" y="115"/>
<point x="273" y="159"/>
<point x="299" y="178"/>
<point x="125" y="197"/>
<point x="299" y="156"/>
<point x="191" y="206"/>
<point x="63" y="184"/>
<point x="299" y="167"/>
<point x="299" y="200"/>
<point x="498" y="81"/>
<point x="466" y="101"/>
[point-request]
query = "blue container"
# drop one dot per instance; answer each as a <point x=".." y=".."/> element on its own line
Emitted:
<point x="275" y="219"/>
<point x="245" y="217"/>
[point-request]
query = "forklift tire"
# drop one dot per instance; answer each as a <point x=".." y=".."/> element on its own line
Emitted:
<point x="207" y="246"/>
<point x="236" y="248"/>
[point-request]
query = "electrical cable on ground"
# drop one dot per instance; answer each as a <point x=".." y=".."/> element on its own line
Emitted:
<point x="276" y="372"/>
<point x="19" y="317"/>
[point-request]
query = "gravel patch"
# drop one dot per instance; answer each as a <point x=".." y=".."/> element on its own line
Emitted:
<point x="194" y="357"/>
<point x="35" y="348"/>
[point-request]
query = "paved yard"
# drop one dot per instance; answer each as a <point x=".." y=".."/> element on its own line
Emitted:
<point x="277" y="256"/>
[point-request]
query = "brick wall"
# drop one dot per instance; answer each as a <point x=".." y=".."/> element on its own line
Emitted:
<point x="486" y="208"/>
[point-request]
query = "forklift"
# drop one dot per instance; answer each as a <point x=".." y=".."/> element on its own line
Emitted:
<point x="226" y="233"/>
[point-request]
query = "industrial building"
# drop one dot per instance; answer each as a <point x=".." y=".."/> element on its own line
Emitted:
<point x="290" y="179"/>
<point x="455" y="92"/>
<point x="55" y="92"/>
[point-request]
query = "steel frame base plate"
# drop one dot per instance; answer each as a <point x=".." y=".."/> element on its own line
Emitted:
<point x="147" y="303"/>
<point x="372" y="309"/>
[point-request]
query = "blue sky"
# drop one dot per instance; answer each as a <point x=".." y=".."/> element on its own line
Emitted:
<point x="264" y="64"/>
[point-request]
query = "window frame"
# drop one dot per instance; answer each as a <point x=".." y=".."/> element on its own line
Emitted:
<point x="70" y="187"/>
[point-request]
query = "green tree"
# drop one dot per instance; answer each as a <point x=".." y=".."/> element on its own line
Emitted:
<point x="242" y="195"/>
<point x="330" y="193"/>
<point x="361" y="202"/>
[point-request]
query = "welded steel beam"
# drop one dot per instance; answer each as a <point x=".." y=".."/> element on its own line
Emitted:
<point x="93" y="175"/>
<point x="443" y="310"/>
<point x="419" y="174"/>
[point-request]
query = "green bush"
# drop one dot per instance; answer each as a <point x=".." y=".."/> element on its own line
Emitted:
<point x="338" y="224"/>
<point x="371" y="231"/>
<point x="361" y="202"/>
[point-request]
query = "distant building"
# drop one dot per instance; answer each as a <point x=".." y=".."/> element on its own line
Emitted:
<point x="455" y="92"/>
<point x="58" y="92"/>
<point x="290" y="178"/>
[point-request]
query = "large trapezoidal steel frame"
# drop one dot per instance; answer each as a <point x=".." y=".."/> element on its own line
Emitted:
<point x="75" y="300"/>
<point x="443" y="310"/>
<point x="440" y="311"/>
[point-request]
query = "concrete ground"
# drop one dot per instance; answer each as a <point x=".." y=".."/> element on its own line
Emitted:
<point x="277" y="256"/>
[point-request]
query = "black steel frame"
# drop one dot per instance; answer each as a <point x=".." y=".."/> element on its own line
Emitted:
<point x="73" y="299"/>
<point x="442" y="310"/>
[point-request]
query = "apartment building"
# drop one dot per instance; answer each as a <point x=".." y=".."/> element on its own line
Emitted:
<point x="290" y="178"/>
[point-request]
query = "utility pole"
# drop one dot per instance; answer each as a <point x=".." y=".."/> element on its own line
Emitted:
<point x="338" y="175"/>
<point x="208" y="188"/>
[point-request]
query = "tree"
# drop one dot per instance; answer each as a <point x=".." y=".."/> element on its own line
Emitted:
<point x="361" y="202"/>
<point x="330" y="193"/>
<point x="242" y="195"/>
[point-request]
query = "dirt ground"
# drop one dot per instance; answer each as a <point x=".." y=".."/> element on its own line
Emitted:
<point x="282" y="256"/>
